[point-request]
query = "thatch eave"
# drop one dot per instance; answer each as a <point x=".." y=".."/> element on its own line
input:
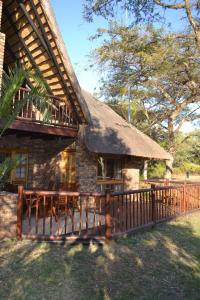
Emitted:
<point x="107" y="133"/>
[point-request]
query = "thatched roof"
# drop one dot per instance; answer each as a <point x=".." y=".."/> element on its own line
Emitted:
<point x="34" y="40"/>
<point x="108" y="133"/>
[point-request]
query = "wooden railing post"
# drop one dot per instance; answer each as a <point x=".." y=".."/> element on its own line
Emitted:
<point x="167" y="182"/>
<point x="19" y="213"/>
<point x="153" y="203"/>
<point x="107" y="216"/>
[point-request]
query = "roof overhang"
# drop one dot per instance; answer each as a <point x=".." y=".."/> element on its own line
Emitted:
<point x="33" y="39"/>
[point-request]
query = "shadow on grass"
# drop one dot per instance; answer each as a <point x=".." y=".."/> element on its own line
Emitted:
<point x="163" y="263"/>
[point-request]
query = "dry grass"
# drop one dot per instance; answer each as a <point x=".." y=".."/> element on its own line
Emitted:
<point x="163" y="263"/>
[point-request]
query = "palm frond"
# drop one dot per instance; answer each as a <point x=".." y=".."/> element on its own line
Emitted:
<point x="5" y="168"/>
<point x="11" y="83"/>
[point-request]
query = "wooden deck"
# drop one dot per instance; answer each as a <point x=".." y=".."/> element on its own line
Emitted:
<point x="65" y="226"/>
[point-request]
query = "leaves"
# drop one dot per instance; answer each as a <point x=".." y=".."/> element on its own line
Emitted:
<point x="11" y="83"/>
<point x="162" y="71"/>
<point x="6" y="167"/>
<point x="37" y="94"/>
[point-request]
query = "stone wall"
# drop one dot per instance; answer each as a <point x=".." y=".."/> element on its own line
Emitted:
<point x="86" y="166"/>
<point x="43" y="158"/>
<point x="44" y="163"/>
<point x="132" y="173"/>
<point x="8" y="215"/>
<point x="2" y="49"/>
<point x="2" y="46"/>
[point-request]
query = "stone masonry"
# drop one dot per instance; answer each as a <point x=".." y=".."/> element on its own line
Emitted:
<point x="43" y="158"/>
<point x="86" y="166"/>
<point x="2" y="46"/>
<point x="8" y="215"/>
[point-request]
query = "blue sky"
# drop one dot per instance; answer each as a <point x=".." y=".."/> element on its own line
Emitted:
<point x="76" y="32"/>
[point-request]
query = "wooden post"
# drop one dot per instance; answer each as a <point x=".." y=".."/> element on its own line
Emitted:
<point x="167" y="182"/>
<point x="153" y="203"/>
<point x="19" y="213"/>
<point x="107" y="216"/>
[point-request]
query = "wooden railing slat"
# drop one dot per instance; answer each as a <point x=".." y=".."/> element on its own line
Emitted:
<point x="85" y="215"/>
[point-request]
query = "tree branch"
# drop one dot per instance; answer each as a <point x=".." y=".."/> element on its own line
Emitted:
<point x="167" y="5"/>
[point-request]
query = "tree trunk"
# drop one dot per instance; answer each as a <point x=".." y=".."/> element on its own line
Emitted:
<point x="197" y="35"/>
<point x="171" y="136"/>
<point x="169" y="168"/>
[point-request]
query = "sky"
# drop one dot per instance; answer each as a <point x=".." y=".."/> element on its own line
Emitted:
<point x="76" y="32"/>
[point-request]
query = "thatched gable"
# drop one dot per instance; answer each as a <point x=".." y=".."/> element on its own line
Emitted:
<point x="108" y="133"/>
<point x="34" y="40"/>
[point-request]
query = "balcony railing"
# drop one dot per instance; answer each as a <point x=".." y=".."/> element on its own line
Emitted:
<point x="60" y="114"/>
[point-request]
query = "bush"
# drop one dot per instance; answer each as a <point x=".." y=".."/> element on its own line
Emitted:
<point x="192" y="168"/>
<point x="156" y="170"/>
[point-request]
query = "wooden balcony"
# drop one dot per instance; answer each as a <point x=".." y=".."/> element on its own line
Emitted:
<point x="61" y="123"/>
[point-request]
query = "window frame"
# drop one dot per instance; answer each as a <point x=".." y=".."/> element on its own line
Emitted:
<point x="13" y="152"/>
<point x="112" y="183"/>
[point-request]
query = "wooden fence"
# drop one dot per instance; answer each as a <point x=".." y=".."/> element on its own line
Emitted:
<point x="48" y="215"/>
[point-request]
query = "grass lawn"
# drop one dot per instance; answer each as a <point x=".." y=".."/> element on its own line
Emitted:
<point x="163" y="263"/>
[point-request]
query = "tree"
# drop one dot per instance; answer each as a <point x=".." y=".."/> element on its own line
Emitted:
<point x="163" y="74"/>
<point x="12" y="81"/>
<point x="146" y="11"/>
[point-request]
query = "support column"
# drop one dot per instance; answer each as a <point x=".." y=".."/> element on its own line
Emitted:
<point x="145" y="170"/>
<point x="2" y="45"/>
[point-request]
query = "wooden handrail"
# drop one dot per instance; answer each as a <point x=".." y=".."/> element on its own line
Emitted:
<point x="54" y="215"/>
<point x="59" y="109"/>
<point x="61" y="193"/>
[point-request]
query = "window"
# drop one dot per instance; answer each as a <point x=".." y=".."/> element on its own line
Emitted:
<point x="110" y="174"/>
<point x="110" y="168"/>
<point x="21" y="170"/>
<point x="3" y="156"/>
<point x="19" y="174"/>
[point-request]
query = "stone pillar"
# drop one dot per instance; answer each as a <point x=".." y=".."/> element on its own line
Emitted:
<point x="145" y="170"/>
<point x="131" y="173"/>
<point x="2" y="50"/>
<point x="8" y="214"/>
<point x="86" y="165"/>
<point x="2" y="45"/>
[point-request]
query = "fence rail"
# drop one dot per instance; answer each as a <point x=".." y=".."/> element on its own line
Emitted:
<point x="60" y="112"/>
<point x="48" y="215"/>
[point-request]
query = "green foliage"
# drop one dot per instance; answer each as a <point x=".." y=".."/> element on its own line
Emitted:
<point x="192" y="168"/>
<point x="5" y="168"/>
<point x="148" y="12"/>
<point x="187" y="158"/>
<point x="161" y="72"/>
<point x="156" y="169"/>
<point x="11" y="83"/>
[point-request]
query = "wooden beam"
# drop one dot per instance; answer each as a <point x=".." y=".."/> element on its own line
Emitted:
<point x="54" y="59"/>
<point x="45" y="129"/>
<point x="27" y="15"/>
<point x="31" y="59"/>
